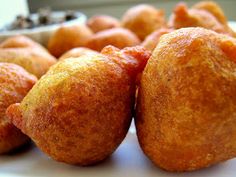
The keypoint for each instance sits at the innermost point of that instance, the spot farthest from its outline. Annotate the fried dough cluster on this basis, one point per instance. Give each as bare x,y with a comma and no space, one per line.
186,103
80,111
15,82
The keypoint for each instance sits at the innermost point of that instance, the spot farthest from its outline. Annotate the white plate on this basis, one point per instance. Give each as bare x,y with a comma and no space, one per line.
128,160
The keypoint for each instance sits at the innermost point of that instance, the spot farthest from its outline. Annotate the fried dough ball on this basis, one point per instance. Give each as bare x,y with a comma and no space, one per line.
197,17
15,82
68,37
102,22
152,40
34,60
80,111
118,37
213,8
20,41
77,52
186,104
143,20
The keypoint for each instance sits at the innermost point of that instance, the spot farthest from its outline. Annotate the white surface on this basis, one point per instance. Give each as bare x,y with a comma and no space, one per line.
127,161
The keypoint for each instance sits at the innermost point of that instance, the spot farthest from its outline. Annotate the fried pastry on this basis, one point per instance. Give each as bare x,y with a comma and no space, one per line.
213,8
118,37
199,16
21,41
68,37
143,20
34,60
81,110
152,40
186,103
102,22
15,82
77,52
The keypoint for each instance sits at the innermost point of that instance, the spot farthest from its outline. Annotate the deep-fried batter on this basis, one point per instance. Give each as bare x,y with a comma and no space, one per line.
152,40
77,52
80,111
186,104
200,15
68,37
118,37
15,82
20,41
34,60
143,19
102,22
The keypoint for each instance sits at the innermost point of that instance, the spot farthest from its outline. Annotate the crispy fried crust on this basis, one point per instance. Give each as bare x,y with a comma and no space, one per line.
15,82
143,19
186,104
102,22
68,37
118,37
80,111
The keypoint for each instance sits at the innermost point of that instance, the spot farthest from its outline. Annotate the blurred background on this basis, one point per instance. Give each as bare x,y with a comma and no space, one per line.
117,7
9,10
90,7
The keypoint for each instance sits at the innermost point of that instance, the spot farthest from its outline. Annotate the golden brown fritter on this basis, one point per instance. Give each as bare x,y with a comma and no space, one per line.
102,22
77,52
198,17
80,111
213,8
143,19
15,82
20,41
34,60
152,40
186,104
118,37
68,37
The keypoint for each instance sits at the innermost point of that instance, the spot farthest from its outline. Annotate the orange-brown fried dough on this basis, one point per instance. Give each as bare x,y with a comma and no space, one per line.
213,8
15,82
20,41
34,60
143,19
77,52
118,37
152,40
102,22
186,104
80,111
199,16
68,37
